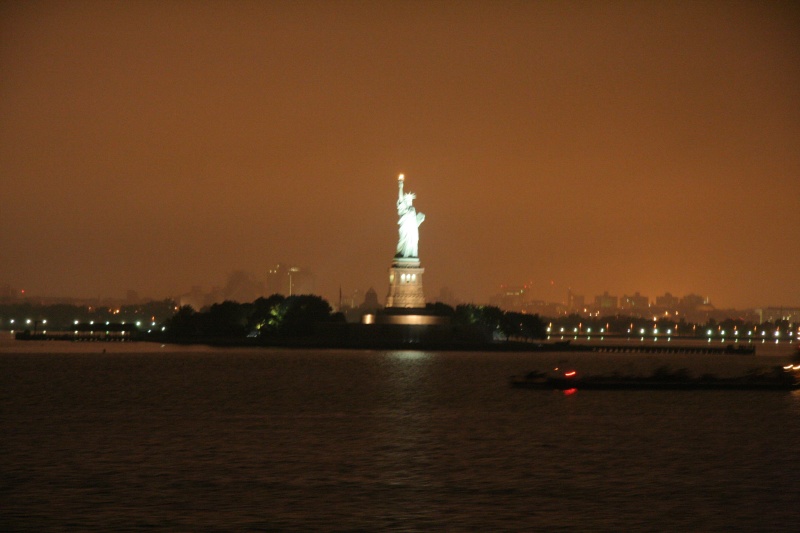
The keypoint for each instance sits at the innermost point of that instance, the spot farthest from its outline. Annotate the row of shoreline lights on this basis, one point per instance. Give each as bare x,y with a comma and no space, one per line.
669,332
29,321
76,322
138,325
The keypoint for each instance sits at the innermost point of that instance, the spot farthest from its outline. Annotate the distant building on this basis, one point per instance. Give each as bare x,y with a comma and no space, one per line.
636,304
354,312
696,308
371,300
667,302
277,280
691,302
510,298
775,314
289,280
241,287
542,308
349,301
576,303
301,281
606,302
692,308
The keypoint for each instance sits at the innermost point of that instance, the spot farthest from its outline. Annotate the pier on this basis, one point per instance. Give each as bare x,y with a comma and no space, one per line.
673,349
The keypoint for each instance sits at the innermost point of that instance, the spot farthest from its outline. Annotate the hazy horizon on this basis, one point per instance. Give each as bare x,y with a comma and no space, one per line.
219,286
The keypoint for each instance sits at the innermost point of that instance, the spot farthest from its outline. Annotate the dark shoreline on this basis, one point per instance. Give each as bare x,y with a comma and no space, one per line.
393,344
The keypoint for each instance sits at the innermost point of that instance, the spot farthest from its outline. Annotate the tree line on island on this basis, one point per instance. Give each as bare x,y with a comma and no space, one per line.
282,317
291,317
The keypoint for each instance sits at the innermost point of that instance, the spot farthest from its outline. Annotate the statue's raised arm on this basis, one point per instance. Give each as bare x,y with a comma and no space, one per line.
409,221
400,180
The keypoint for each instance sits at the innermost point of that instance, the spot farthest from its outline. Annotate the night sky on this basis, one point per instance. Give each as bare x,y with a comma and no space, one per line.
619,146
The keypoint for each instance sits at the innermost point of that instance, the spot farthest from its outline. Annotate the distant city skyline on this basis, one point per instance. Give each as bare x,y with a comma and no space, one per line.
243,286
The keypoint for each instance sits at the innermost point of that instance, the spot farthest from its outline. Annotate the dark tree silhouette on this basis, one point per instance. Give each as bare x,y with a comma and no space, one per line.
300,313
184,323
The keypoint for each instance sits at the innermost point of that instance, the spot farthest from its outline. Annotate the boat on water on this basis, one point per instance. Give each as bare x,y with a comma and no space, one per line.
777,378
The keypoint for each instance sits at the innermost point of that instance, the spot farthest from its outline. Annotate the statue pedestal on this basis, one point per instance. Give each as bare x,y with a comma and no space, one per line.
405,284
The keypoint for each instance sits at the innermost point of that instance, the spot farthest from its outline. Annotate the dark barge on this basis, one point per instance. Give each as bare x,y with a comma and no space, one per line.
783,378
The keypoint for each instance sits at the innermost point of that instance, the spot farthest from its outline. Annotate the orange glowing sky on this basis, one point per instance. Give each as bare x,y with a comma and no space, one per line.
620,146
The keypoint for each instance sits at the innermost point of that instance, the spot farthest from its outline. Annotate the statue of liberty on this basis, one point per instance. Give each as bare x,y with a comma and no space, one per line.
409,221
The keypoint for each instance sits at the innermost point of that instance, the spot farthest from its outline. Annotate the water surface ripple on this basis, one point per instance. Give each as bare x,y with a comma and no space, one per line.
265,440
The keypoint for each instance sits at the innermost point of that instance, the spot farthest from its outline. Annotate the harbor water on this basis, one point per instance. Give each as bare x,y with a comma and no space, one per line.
108,437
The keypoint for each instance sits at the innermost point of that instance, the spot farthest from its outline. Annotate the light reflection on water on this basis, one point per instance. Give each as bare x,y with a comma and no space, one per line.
401,440
408,354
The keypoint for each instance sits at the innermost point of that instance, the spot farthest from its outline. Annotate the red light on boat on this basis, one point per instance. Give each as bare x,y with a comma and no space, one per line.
570,374
570,392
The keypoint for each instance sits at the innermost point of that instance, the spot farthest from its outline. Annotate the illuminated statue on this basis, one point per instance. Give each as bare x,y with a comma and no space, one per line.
408,242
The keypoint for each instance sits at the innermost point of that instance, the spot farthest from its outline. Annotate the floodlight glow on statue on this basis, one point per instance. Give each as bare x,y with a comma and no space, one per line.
409,221
405,274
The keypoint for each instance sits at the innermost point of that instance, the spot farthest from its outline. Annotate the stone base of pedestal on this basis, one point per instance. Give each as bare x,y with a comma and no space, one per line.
405,284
